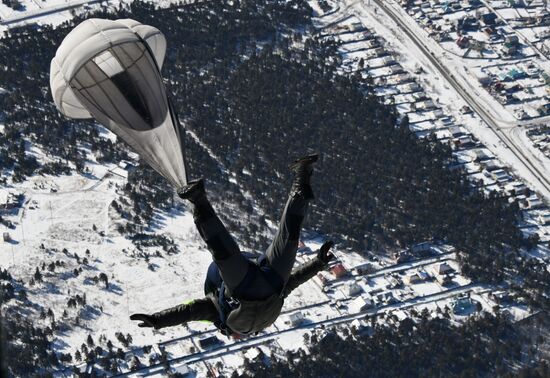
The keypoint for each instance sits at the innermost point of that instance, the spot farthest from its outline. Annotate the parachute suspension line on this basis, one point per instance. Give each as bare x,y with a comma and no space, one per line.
178,129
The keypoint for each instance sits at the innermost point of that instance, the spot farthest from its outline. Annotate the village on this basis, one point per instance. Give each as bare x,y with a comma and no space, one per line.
369,54
505,43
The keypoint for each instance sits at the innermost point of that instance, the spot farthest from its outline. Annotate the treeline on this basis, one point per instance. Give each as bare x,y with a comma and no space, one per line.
482,347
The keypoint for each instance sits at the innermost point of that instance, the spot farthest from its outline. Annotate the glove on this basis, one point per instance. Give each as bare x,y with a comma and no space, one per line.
323,253
148,320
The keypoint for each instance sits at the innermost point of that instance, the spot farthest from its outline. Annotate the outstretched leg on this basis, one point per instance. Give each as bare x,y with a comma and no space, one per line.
225,251
281,254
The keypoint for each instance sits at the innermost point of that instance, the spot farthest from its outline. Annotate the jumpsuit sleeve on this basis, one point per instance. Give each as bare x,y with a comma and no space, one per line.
199,309
303,273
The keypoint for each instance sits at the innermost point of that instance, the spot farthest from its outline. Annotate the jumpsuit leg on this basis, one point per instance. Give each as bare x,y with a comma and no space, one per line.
225,251
213,279
281,254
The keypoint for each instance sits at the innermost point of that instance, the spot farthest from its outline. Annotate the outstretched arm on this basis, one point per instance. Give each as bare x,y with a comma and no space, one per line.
310,268
199,309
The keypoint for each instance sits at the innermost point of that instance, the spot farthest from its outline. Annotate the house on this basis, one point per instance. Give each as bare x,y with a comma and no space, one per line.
401,257
354,289
480,154
464,141
209,341
421,248
394,282
411,87
543,219
512,75
385,298
488,18
508,49
515,188
445,279
10,200
512,39
324,280
442,269
296,318
467,23
360,325
463,306
338,271
534,202
413,278
7,237
463,42
500,296
360,304
500,175
511,44
365,268
180,370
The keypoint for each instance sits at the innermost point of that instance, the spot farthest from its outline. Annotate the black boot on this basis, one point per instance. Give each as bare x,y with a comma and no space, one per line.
303,168
193,192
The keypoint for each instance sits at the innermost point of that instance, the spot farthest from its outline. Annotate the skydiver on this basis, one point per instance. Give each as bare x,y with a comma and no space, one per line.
244,295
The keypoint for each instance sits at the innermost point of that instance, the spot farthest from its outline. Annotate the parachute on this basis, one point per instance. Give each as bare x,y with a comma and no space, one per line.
110,70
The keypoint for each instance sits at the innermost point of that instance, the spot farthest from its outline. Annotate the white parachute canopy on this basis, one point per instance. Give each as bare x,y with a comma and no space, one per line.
110,71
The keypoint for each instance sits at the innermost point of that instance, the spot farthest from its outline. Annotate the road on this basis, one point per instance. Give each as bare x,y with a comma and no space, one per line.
500,127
